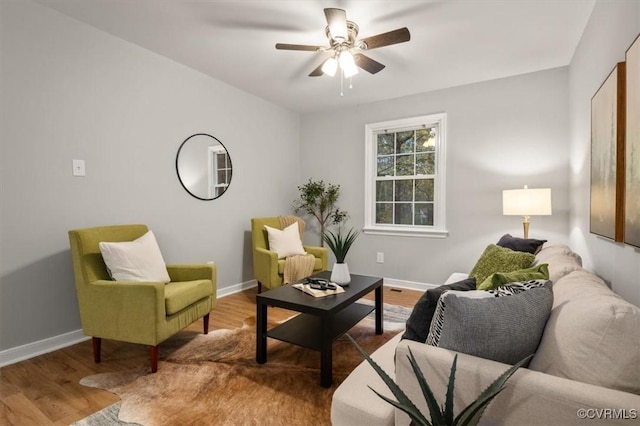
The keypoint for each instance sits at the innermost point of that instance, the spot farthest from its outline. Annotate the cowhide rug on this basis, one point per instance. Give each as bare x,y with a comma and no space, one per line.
214,380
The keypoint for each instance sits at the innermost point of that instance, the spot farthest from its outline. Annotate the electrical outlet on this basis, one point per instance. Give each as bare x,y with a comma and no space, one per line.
380,257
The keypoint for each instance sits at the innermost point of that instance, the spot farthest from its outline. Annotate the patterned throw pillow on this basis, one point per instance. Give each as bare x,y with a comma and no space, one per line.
499,259
417,326
503,325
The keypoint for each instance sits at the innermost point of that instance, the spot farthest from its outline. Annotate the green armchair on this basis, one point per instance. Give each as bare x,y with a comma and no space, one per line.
136,312
267,268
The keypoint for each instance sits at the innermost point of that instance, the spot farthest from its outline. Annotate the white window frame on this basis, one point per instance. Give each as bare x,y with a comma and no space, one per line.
438,230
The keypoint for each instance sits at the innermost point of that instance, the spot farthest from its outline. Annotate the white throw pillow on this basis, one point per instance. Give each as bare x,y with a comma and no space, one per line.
285,242
137,260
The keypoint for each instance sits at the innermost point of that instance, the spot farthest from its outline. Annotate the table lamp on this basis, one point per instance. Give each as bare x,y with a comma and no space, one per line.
526,203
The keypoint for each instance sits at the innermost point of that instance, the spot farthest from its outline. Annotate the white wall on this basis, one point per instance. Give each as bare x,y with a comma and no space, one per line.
610,31
71,91
502,134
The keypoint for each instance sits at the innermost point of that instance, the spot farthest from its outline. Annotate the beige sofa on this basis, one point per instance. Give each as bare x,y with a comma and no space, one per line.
587,364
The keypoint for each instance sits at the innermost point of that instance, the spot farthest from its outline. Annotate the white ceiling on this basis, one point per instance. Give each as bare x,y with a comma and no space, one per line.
453,42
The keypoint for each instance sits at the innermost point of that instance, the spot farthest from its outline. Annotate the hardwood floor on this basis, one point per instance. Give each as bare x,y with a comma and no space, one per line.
45,390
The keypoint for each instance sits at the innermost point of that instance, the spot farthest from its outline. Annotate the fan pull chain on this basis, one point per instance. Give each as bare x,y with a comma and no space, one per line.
341,83
350,82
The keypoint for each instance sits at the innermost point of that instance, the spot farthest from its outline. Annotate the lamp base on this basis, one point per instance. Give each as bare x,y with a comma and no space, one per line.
525,227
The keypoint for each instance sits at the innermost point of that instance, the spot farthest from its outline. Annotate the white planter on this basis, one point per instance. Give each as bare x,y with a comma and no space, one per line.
340,274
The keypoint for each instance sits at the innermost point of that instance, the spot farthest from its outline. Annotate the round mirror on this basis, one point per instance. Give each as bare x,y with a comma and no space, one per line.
203,166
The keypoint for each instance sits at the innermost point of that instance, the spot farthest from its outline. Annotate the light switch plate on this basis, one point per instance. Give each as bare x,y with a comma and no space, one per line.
78,168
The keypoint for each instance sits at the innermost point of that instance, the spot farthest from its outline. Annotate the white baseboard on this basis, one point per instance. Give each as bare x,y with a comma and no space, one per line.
30,350
410,285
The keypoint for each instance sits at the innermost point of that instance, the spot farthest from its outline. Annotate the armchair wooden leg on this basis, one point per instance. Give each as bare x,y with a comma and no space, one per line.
259,287
97,345
153,352
205,320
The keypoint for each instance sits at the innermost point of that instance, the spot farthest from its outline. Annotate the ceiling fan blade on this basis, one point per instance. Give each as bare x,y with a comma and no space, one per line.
317,72
284,46
367,64
337,21
392,37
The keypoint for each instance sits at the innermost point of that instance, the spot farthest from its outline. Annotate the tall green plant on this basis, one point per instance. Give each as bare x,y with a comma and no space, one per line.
440,415
340,243
319,200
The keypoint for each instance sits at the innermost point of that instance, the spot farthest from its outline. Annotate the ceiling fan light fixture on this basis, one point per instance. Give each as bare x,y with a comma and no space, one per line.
348,64
330,67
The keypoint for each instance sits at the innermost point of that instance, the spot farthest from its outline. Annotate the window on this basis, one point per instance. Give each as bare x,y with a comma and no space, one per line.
219,170
405,177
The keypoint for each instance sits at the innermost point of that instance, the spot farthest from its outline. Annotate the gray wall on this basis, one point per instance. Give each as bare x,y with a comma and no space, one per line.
502,134
611,30
71,91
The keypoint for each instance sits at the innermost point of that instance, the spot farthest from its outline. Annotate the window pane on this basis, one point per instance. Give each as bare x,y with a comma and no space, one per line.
384,190
385,144
424,214
404,190
404,214
222,176
426,139
405,166
385,166
384,213
424,189
426,163
404,142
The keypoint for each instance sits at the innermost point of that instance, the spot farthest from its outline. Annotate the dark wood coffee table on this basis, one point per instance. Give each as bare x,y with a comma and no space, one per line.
321,320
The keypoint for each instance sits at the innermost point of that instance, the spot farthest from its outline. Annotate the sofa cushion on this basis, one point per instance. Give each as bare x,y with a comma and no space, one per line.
502,278
527,245
561,259
592,336
178,295
504,329
417,327
499,259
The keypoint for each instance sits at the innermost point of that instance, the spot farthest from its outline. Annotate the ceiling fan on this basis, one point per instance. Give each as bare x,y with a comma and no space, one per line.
344,47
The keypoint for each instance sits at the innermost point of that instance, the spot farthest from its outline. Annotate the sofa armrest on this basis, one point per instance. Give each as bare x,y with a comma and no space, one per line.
265,265
192,272
321,253
529,398
123,310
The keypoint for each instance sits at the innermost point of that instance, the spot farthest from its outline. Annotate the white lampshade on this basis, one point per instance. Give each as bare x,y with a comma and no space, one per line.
527,202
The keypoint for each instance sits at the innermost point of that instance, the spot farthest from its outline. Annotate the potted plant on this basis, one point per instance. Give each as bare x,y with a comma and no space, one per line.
340,243
319,200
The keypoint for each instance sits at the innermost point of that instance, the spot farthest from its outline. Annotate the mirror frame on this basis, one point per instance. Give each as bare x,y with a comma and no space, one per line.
178,169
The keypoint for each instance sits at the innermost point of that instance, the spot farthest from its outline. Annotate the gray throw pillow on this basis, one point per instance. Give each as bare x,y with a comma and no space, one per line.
504,329
417,326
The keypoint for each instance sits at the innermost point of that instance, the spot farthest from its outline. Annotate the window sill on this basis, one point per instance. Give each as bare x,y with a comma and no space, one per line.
406,232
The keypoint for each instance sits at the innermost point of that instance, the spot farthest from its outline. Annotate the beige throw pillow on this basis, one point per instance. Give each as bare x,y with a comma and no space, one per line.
137,260
286,242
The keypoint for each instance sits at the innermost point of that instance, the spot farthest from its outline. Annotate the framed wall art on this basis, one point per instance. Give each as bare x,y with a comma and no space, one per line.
632,159
607,156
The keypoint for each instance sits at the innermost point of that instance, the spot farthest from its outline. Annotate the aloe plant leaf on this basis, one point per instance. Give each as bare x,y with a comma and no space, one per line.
448,404
404,403
434,409
416,416
488,394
